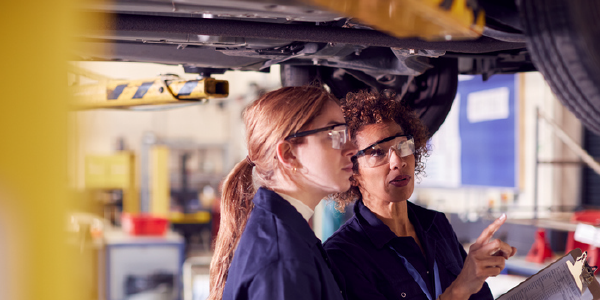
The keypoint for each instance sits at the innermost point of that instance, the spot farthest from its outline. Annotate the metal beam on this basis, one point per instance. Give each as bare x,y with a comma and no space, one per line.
565,138
290,32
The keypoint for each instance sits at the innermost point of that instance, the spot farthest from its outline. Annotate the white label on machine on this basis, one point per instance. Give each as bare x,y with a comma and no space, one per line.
587,234
488,105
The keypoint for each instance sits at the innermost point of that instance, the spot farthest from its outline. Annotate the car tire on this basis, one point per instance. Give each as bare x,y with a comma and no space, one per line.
432,94
563,38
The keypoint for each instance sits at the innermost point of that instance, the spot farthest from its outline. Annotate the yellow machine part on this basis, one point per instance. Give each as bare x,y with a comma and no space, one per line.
36,260
115,171
109,171
427,19
200,217
155,91
160,198
160,189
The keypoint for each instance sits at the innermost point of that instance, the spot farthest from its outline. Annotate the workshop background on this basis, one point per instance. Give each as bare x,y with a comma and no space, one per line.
123,204
484,162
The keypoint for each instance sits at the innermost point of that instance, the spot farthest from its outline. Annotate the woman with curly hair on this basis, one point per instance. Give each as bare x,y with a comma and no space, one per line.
392,248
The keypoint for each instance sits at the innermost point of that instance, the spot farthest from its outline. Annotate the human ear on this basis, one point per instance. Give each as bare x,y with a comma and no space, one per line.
285,155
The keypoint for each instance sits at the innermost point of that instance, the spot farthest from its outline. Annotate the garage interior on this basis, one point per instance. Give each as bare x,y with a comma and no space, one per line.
107,201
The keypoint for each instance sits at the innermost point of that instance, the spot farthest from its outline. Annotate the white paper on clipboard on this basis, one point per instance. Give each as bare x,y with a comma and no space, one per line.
563,279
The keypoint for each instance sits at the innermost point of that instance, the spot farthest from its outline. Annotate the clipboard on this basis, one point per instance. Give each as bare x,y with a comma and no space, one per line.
569,277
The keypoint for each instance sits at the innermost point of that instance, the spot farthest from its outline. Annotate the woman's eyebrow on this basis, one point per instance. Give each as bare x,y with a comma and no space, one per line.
334,122
378,141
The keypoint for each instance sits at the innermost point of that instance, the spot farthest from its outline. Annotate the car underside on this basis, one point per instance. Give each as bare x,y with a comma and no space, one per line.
312,43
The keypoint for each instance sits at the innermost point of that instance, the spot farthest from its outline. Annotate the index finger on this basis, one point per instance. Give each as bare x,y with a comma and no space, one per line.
487,233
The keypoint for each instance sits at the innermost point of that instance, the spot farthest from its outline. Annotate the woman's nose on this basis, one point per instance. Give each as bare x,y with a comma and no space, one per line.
396,160
350,149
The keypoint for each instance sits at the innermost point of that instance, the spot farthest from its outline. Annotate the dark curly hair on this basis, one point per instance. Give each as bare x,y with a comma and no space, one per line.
364,108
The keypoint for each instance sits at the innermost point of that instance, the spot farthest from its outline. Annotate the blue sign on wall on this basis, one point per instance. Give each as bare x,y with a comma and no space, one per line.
487,128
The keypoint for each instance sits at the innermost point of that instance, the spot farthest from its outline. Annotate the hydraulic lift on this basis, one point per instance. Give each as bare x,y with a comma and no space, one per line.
168,89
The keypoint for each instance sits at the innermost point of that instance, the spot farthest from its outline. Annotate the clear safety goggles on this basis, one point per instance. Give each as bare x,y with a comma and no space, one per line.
338,134
379,153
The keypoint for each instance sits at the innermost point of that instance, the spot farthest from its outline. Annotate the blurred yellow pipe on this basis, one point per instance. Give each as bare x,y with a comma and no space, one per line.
35,261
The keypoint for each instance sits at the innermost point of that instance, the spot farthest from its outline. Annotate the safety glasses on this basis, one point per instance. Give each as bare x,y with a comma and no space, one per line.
379,153
338,133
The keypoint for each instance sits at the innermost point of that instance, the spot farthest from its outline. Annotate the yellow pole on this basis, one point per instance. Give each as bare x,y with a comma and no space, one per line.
160,192
35,261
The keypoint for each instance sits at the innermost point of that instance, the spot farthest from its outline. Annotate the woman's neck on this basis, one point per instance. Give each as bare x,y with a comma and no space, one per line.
306,195
392,214
301,195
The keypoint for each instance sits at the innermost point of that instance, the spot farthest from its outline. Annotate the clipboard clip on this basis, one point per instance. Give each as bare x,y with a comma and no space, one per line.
587,271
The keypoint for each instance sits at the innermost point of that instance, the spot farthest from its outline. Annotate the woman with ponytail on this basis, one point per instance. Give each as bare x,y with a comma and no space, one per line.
298,154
